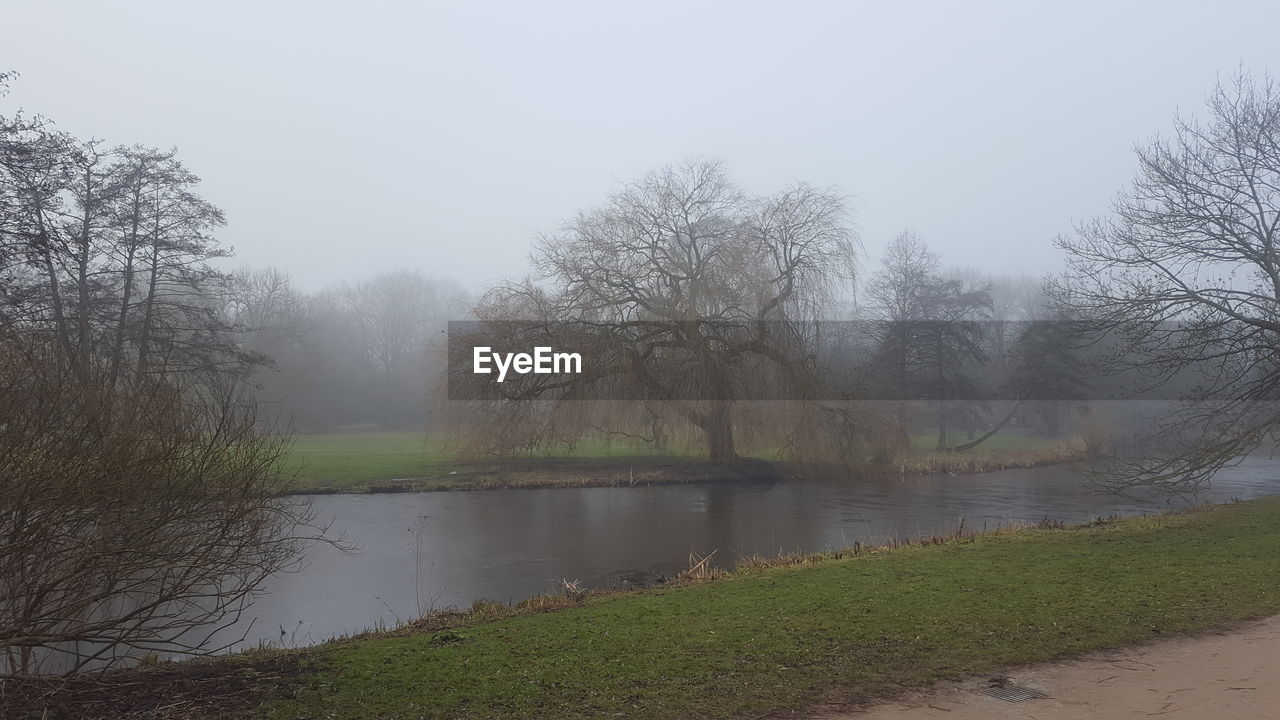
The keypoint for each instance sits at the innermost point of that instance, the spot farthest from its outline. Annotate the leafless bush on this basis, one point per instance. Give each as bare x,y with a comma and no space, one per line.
132,521
1096,434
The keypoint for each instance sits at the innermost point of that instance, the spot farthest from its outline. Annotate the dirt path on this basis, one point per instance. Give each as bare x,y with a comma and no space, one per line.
1233,675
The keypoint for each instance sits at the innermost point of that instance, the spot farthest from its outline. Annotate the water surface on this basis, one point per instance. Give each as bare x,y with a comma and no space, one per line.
432,550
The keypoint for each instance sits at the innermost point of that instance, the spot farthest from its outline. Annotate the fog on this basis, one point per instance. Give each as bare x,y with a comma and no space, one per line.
831,272
343,141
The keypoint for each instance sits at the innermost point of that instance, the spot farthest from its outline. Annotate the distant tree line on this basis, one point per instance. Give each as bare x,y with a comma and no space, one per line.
362,356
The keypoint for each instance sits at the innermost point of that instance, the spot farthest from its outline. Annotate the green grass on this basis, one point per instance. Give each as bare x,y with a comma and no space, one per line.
350,461
344,459
846,629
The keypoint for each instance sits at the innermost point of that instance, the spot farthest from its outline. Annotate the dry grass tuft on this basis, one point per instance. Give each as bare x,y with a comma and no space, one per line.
700,568
967,463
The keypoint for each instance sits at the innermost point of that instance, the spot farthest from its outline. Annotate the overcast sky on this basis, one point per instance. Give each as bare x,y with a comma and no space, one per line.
344,139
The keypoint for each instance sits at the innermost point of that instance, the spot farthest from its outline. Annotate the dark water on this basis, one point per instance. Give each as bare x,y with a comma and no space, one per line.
419,551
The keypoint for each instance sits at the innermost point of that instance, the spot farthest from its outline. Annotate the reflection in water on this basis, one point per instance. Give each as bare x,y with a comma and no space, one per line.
507,545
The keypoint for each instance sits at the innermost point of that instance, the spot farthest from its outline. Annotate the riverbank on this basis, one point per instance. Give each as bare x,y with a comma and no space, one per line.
797,632
563,472
411,462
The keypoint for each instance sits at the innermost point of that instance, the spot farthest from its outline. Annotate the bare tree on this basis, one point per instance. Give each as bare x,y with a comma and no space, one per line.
685,289
1185,275
31,192
111,247
139,511
931,334
178,326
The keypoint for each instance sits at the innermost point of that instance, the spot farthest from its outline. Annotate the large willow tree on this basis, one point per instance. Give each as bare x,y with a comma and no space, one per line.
684,290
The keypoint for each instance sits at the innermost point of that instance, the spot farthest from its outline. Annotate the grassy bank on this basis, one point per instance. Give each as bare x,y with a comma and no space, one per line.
363,462
360,462
998,453
837,630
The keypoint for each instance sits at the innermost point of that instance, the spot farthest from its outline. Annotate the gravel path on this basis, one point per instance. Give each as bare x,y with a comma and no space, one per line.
1229,675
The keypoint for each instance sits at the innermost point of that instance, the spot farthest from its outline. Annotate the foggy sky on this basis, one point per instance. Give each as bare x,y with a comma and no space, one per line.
347,139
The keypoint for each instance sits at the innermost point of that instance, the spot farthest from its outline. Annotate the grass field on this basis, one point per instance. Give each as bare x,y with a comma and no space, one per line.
832,630
343,459
361,460
346,460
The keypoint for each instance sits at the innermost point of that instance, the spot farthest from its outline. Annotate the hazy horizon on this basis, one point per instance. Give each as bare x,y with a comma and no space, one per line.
342,144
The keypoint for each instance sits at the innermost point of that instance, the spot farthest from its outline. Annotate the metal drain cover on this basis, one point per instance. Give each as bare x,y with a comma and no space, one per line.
1012,693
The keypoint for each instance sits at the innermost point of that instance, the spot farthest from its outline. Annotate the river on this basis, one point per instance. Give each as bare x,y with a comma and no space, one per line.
419,551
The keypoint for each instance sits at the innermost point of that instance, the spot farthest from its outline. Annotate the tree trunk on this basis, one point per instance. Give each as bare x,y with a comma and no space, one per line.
84,342
148,317
122,320
719,429
994,430
942,390
55,296
942,425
